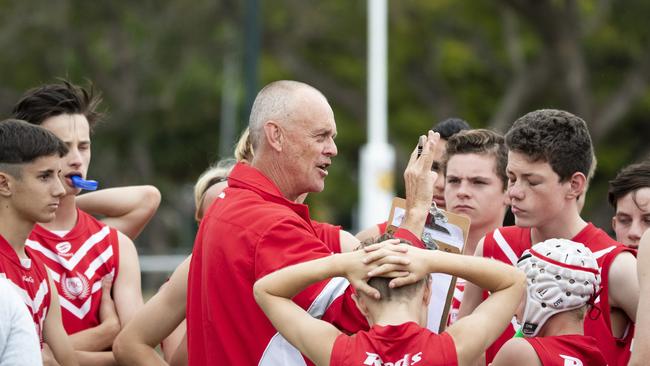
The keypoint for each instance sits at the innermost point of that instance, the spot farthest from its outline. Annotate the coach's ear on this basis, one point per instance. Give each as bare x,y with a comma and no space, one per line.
5,184
577,185
274,135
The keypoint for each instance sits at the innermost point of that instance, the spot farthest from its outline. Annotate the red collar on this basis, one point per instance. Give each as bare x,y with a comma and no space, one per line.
247,177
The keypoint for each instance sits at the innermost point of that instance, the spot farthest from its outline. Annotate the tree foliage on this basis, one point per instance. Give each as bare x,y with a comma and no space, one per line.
160,66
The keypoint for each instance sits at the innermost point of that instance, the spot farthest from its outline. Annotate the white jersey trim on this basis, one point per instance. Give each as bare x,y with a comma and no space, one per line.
505,247
602,252
35,303
71,263
97,262
279,351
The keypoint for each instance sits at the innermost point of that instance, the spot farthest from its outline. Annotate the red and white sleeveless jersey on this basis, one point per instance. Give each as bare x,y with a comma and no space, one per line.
507,244
404,344
77,262
28,277
571,350
617,351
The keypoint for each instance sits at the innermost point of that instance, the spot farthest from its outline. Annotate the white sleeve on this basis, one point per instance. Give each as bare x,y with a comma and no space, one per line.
19,343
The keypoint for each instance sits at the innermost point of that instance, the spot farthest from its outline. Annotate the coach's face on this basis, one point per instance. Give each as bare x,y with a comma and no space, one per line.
309,145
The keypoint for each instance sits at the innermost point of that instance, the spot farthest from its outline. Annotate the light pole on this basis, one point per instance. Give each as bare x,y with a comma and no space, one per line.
377,156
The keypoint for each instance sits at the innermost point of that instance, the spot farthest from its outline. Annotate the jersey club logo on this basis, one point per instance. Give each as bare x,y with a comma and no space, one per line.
374,359
77,287
571,361
63,249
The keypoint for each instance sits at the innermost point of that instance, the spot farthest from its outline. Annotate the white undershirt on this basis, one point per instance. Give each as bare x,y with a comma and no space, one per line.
60,233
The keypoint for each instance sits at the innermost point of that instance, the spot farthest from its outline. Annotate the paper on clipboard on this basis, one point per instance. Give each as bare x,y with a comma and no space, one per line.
450,235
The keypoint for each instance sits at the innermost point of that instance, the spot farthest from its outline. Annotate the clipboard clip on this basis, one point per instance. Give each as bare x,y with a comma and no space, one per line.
435,218
438,215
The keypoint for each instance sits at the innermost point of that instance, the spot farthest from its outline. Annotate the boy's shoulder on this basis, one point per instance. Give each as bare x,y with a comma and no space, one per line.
506,243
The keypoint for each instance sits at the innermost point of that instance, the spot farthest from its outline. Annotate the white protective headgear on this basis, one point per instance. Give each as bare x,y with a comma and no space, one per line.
562,275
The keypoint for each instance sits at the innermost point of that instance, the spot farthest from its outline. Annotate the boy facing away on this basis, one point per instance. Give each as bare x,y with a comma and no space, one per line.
396,308
562,282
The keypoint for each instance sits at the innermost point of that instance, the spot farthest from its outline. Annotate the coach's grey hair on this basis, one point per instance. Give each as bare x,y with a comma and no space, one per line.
276,101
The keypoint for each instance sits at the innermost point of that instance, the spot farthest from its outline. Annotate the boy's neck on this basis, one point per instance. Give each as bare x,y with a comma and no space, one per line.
562,324
564,226
394,313
476,233
15,230
66,215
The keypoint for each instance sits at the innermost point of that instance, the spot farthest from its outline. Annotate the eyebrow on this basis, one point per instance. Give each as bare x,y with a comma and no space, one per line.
46,171
322,131
525,175
470,177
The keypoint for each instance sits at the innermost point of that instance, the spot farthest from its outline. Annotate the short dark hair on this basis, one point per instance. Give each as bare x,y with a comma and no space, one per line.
450,127
629,179
51,100
381,284
556,137
483,142
22,143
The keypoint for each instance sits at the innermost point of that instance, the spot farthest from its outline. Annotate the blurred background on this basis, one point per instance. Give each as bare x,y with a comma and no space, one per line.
178,78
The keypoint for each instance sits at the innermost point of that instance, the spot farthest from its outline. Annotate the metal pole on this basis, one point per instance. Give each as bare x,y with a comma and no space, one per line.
377,156
377,80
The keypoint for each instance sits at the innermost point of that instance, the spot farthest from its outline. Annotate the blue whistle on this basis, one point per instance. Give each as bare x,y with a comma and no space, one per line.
89,185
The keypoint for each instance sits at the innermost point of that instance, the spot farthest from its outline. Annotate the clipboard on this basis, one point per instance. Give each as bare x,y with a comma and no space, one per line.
442,231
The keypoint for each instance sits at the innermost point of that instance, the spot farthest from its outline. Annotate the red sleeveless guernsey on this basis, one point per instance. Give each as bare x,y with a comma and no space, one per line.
29,279
573,350
404,344
507,244
77,262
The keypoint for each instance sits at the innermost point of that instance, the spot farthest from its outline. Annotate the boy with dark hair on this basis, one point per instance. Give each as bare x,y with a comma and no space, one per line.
79,250
30,192
450,126
127,209
395,308
629,194
475,170
562,283
549,159
52,100
446,128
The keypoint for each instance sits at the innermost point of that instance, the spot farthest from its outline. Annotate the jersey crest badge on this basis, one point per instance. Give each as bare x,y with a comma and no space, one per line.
77,287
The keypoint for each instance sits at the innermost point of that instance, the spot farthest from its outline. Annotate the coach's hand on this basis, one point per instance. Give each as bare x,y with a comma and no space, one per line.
419,181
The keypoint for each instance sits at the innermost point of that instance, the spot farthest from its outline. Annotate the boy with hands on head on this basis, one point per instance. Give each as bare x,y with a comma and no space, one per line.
396,308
